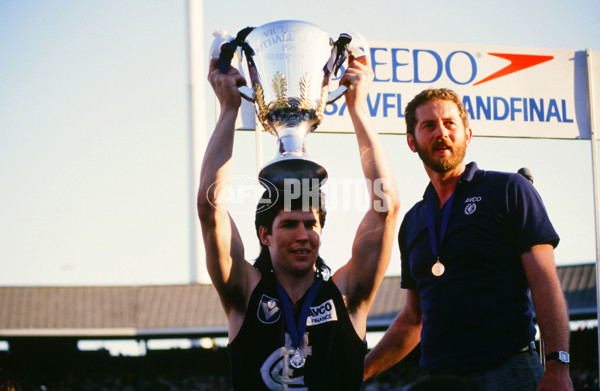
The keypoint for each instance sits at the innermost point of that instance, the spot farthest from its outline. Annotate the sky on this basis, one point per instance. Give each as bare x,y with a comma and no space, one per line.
97,178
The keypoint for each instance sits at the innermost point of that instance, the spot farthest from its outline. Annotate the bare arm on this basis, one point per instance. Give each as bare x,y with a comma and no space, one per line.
551,312
232,276
360,278
399,340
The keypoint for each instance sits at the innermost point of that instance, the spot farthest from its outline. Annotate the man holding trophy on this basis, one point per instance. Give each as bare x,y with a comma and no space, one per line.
292,325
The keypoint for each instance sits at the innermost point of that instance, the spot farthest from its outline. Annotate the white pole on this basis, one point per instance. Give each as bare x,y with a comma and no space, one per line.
196,130
258,133
595,180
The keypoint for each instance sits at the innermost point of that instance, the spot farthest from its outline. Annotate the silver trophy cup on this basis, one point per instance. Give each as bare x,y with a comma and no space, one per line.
290,64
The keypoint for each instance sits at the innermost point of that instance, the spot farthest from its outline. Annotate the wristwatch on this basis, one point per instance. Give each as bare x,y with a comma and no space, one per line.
560,356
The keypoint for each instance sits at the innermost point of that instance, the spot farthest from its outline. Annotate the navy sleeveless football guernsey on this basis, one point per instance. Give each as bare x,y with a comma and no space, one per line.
260,353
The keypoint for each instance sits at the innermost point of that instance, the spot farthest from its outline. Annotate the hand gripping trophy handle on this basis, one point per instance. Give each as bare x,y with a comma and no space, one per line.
227,46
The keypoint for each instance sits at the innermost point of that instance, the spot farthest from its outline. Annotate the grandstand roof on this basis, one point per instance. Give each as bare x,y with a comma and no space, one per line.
192,309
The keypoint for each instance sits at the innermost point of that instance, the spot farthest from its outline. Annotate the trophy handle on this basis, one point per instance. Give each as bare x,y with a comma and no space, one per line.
350,43
336,94
247,93
339,53
225,46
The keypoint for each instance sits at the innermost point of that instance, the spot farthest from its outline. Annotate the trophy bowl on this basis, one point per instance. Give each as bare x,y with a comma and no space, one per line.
290,64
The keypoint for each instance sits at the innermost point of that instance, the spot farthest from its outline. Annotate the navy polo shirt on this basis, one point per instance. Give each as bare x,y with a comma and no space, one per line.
478,312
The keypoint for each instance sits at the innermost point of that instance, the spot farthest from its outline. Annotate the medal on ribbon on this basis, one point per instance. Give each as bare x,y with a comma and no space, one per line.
438,268
297,360
296,331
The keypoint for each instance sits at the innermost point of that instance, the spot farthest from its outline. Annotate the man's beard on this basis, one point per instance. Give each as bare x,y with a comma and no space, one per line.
444,164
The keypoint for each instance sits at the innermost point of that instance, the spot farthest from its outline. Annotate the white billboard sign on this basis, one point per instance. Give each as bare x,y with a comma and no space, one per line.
508,91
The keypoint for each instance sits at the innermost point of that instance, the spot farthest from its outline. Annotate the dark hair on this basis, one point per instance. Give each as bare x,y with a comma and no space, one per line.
430,95
274,201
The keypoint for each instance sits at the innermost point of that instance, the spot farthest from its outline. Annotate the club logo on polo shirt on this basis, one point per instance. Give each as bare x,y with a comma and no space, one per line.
269,310
471,205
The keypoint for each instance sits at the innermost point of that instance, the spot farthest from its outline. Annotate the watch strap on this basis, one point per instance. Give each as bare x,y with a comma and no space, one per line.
559,356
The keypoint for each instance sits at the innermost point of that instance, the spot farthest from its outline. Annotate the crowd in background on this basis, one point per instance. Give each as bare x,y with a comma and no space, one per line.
102,379
194,369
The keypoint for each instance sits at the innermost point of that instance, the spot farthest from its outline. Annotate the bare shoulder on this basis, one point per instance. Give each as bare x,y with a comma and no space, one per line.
354,294
235,301
356,301
236,296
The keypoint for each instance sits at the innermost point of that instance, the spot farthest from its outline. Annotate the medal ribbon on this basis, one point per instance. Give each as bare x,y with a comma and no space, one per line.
297,331
436,243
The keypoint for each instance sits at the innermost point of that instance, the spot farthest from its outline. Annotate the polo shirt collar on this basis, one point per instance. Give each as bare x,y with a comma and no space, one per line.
472,173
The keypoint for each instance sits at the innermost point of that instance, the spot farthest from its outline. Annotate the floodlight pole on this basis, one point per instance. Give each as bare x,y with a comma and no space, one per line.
593,141
196,128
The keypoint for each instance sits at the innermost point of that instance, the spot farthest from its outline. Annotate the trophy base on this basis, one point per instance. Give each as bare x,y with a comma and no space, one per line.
308,172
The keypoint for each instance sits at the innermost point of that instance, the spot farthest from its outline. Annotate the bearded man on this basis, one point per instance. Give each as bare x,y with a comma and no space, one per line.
471,251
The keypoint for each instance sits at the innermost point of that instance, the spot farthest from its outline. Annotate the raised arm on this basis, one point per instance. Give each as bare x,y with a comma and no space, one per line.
231,275
359,279
551,312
